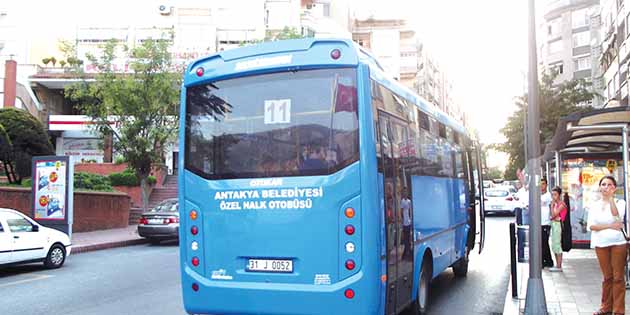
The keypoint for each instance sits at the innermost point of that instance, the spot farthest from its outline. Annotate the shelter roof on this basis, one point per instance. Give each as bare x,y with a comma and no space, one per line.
569,137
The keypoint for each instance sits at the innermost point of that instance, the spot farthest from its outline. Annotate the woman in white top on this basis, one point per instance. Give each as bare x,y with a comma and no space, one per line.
605,224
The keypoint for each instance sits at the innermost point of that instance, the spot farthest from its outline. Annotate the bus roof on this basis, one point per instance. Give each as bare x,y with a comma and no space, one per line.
301,54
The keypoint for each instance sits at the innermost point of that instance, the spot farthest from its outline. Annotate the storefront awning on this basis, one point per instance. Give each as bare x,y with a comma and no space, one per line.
567,139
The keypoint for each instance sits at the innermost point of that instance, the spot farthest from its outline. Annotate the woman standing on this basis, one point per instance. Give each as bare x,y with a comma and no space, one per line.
558,215
605,224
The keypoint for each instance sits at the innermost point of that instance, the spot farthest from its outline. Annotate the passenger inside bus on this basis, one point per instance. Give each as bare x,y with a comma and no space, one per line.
315,159
268,166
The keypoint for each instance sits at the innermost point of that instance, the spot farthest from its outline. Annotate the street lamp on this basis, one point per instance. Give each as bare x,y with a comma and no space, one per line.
535,300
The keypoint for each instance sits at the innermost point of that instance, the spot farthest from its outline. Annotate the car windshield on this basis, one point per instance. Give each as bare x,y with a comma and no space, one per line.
496,193
166,206
295,123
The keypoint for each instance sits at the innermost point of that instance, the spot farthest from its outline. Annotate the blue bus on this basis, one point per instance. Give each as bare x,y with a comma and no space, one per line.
313,183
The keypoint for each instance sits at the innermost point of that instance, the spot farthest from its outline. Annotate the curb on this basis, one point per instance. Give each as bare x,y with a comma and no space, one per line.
94,247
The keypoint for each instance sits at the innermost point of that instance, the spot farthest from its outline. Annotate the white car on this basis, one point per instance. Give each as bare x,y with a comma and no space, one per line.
23,240
501,199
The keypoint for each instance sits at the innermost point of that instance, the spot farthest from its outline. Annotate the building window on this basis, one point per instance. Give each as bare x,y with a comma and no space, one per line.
610,89
553,29
555,46
579,18
581,39
583,63
558,67
326,9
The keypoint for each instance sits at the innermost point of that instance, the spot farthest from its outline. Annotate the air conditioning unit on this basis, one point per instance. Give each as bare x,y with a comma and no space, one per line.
165,9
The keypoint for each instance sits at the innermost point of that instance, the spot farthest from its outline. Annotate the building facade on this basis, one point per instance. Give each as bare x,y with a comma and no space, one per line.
197,28
615,18
395,44
568,42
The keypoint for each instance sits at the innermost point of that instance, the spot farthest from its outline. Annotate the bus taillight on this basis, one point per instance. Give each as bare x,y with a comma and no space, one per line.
350,264
349,229
194,230
349,293
350,247
200,71
195,287
350,212
195,261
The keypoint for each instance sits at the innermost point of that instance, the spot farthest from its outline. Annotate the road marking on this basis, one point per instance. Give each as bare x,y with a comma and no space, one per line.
35,278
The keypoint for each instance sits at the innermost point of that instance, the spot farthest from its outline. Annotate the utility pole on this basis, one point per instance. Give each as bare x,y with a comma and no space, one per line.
535,303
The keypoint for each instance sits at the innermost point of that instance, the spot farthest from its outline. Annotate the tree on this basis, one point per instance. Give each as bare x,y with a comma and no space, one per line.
285,33
69,51
493,173
22,136
138,109
555,101
5,150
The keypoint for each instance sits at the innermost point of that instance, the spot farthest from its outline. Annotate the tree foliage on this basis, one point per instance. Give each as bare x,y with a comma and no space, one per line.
493,173
138,109
555,101
285,33
22,136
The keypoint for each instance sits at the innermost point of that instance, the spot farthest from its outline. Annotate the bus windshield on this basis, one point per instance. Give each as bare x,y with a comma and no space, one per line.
294,123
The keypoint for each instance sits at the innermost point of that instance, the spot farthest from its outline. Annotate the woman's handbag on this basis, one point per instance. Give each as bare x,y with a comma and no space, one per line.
625,235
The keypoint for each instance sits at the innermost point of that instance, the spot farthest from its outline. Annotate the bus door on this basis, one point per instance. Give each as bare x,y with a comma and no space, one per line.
478,178
397,195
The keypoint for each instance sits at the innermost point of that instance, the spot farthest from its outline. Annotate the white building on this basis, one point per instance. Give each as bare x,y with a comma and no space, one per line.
199,28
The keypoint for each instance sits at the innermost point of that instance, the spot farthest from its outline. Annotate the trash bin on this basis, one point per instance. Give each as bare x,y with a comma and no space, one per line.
522,234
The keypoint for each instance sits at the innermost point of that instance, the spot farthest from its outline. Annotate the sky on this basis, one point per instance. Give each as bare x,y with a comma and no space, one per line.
482,45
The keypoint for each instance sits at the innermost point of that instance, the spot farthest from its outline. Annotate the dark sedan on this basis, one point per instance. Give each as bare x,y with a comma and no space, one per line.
161,223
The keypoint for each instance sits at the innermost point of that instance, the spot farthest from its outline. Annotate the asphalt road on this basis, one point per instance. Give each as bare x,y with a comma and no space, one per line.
145,280
483,290
135,280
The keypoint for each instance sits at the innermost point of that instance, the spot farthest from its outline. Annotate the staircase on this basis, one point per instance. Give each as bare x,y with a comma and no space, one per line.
169,190
134,215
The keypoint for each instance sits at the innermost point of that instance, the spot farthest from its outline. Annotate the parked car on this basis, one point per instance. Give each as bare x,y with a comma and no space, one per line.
161,223
501,199
22,240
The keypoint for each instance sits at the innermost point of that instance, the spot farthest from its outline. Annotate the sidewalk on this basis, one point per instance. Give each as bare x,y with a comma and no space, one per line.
97,240
575,291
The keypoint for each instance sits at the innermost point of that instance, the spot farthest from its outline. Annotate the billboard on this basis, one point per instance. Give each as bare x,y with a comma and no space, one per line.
580,179
51,188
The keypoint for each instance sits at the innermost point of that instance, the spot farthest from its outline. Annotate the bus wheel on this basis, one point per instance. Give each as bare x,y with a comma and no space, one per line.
422,300
460,268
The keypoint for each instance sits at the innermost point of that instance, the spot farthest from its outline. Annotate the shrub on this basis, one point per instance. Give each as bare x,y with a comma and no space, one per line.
27,138
27,183
90,181
119,160
129,178
124,178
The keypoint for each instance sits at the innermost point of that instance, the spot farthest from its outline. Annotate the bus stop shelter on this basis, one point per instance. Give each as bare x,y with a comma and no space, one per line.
585,147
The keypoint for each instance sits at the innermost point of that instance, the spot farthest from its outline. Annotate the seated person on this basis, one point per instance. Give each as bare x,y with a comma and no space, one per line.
267,165
314,160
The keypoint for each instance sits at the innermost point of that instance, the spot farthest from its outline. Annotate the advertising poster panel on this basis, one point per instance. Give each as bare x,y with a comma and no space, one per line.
580,178
50,188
